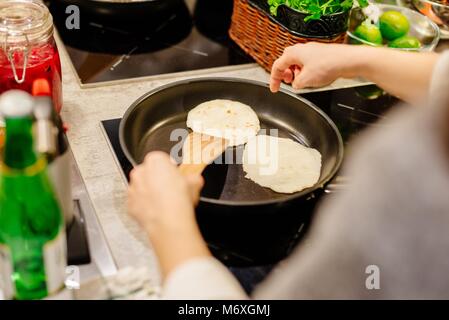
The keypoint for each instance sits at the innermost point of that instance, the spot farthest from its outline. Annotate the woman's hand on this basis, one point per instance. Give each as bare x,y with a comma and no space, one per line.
159,195
406,75
311,65
162,201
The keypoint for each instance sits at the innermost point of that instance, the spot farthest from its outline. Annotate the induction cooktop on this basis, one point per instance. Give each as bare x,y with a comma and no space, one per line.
190,37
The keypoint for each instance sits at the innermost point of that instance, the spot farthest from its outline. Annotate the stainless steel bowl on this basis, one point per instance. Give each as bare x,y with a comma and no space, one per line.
421,27
436,11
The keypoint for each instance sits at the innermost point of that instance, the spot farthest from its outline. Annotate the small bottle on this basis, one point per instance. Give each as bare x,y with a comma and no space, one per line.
51,142
32,233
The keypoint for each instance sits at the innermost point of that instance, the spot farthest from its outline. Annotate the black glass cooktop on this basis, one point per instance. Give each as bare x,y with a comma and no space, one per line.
190,36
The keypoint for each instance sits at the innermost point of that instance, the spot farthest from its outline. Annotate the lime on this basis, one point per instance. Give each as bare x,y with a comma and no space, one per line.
405,42
393,24
369,32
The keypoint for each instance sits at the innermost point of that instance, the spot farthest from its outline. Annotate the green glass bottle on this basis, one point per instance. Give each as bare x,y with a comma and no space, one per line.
32,234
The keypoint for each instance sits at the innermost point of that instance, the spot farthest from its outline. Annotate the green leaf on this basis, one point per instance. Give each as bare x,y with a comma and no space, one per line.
363,3
316,8
347,4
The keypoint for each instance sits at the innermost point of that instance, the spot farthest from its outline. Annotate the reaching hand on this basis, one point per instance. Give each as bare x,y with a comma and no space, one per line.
406,75
310,65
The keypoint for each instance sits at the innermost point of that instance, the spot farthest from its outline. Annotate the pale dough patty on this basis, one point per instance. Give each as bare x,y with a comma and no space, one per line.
227,119
283,165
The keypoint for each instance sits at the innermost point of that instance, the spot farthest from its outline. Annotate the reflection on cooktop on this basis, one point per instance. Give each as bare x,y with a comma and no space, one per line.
191,36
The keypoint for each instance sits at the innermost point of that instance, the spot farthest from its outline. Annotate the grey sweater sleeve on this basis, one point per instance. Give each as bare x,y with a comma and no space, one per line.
387,235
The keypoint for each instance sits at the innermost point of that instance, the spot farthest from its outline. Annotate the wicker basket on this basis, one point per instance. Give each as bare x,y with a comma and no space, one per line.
264,38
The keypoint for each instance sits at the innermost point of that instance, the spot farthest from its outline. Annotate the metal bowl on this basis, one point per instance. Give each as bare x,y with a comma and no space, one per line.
436,11
421,27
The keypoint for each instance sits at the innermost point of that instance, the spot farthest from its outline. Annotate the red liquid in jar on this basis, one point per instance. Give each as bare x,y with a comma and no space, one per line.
43,62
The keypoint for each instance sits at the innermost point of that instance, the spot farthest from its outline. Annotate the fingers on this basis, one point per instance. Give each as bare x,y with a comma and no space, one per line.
301,80
154,161
135,177
157,158
279,70
159,167
195,181
195,184
288,76
296,71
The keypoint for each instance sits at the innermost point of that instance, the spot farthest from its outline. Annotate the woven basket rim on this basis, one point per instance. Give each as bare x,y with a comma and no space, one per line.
295,33
306,13
264,38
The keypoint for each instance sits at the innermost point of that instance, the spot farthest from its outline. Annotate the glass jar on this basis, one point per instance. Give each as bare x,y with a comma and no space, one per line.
27,48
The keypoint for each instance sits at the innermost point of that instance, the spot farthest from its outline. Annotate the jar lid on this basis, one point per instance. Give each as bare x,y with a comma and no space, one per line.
16,104
23,22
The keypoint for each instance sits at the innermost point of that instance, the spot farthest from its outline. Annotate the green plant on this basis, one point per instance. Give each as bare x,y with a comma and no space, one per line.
315,8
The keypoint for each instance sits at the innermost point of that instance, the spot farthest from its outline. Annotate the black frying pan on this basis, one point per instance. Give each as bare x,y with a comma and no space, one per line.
234,212
120,11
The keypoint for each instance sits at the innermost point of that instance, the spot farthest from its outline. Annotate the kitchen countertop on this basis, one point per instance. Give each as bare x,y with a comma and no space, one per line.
83,110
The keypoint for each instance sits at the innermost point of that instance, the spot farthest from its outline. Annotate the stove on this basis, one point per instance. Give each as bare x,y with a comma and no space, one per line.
191,37
351,109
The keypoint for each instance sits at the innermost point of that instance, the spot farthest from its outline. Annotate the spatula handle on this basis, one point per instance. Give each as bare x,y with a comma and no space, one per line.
192,169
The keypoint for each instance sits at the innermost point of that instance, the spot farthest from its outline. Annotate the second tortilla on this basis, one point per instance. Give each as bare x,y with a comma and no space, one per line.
283,165
227,119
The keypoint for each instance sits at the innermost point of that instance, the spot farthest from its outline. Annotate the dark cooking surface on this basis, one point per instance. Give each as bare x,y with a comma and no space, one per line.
192,36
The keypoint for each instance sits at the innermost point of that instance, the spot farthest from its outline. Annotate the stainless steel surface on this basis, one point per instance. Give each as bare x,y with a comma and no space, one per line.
103,263
444,31
60,175
435,10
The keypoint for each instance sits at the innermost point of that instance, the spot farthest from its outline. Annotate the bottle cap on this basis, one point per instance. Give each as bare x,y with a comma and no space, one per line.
16,104
41,87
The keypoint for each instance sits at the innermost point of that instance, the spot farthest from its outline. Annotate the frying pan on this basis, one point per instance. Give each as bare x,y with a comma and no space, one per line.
159,29
120,11
240,217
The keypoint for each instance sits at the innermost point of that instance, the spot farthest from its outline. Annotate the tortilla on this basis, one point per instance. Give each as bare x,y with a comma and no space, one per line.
283,165
231,120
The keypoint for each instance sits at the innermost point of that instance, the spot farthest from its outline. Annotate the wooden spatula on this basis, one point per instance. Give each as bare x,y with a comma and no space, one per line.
200,150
